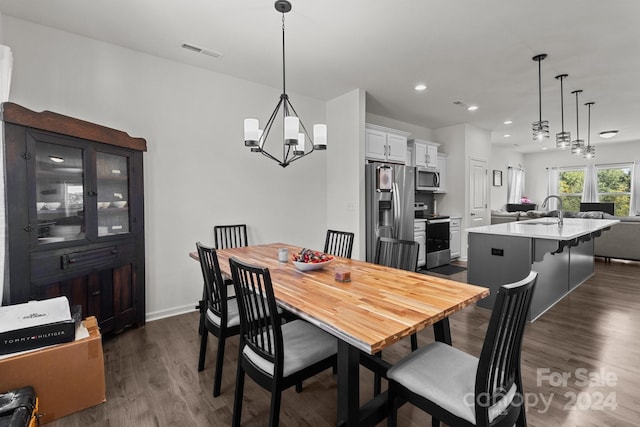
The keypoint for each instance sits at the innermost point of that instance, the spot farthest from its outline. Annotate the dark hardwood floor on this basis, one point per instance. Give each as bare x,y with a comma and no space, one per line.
591,339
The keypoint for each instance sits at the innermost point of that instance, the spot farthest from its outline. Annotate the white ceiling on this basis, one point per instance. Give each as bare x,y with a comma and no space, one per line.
474,51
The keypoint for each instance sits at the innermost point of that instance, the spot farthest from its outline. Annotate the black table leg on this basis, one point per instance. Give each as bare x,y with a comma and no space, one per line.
442,331
348,385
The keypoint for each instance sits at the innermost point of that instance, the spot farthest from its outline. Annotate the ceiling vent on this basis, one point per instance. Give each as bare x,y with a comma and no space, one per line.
202,50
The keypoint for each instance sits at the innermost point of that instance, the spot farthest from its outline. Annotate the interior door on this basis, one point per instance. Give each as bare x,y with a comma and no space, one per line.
477,192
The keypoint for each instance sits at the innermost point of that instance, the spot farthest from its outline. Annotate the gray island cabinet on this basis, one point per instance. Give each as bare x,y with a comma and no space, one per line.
562,256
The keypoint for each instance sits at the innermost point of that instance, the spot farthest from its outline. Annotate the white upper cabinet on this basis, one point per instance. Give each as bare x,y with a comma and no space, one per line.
426,153
385,144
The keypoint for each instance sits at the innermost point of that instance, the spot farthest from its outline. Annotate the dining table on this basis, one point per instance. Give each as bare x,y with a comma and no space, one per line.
378,307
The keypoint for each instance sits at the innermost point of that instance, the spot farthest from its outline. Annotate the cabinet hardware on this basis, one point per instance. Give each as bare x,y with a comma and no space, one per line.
92,193
28,228
114,252
26,156
95,293
71,260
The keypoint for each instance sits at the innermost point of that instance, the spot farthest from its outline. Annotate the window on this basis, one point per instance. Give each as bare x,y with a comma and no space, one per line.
614,185
570,186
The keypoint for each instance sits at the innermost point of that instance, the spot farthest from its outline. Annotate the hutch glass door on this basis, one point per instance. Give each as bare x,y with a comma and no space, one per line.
59,193
113,193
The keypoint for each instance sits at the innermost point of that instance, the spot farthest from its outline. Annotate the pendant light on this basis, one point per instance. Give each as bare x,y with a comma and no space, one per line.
295,133
541,127
589,151
563,139
577,145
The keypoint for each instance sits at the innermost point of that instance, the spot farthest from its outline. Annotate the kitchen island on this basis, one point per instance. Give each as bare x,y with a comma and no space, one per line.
562,256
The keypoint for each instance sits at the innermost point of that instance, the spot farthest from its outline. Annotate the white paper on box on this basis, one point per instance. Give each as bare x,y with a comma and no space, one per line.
34,313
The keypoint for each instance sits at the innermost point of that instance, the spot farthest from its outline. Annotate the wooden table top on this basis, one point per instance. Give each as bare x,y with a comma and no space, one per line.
380,305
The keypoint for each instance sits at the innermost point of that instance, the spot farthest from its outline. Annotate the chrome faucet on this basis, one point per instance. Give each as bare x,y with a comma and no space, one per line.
544,205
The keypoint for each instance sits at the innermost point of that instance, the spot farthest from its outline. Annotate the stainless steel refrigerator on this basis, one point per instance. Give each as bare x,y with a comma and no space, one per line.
390,195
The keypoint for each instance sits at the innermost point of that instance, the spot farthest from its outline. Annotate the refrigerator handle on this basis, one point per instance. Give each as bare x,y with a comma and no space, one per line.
396,211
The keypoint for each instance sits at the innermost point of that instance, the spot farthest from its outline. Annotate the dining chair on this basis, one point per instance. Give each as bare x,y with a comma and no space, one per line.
402,254
275,355
225,237
221,317
460,389
339,243
230,236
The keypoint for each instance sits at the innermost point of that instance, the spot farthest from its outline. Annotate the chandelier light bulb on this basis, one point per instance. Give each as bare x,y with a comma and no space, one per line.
251,132
320,137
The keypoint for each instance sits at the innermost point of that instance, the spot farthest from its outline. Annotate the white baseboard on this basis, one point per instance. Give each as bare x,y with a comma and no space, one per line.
175,311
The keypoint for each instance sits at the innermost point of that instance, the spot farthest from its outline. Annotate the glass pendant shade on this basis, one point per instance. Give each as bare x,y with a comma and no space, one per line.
563,139
577,145
589,151
299,150
251,132
540,128
320,137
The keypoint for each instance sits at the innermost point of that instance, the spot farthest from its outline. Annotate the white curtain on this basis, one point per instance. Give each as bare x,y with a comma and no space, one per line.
6,65
552,188
515,184
590,188
634,206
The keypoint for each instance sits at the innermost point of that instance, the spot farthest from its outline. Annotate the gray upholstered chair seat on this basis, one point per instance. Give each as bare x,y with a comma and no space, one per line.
233,316
304,345
446,376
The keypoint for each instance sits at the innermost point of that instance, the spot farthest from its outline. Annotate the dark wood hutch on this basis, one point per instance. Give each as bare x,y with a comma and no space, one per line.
75,215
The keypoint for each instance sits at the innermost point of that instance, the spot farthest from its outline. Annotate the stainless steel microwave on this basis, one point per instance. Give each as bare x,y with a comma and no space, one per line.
427,180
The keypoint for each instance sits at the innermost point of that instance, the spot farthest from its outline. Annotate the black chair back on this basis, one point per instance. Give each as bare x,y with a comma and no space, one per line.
230,236
260,327
402,254
216,291
339,243
499,364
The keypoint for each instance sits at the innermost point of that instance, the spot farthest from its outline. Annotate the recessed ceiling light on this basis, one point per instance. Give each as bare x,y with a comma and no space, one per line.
507,122
472,107
606,134
421,87
506,135
56,159
543,148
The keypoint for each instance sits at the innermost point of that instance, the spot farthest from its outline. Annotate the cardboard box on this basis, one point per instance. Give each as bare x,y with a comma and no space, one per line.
67,377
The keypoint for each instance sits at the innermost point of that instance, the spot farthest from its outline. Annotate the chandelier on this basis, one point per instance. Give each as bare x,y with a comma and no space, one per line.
589,150
294,146
577,145
563,139
541,127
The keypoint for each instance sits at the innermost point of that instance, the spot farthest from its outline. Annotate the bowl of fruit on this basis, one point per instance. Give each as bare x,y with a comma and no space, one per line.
307,260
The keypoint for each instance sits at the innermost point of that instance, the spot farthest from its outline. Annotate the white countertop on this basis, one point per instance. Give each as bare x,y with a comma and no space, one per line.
546,228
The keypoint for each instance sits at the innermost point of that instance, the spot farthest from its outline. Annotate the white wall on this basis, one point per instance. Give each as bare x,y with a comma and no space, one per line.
501,159
345,179
197,171
536,164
